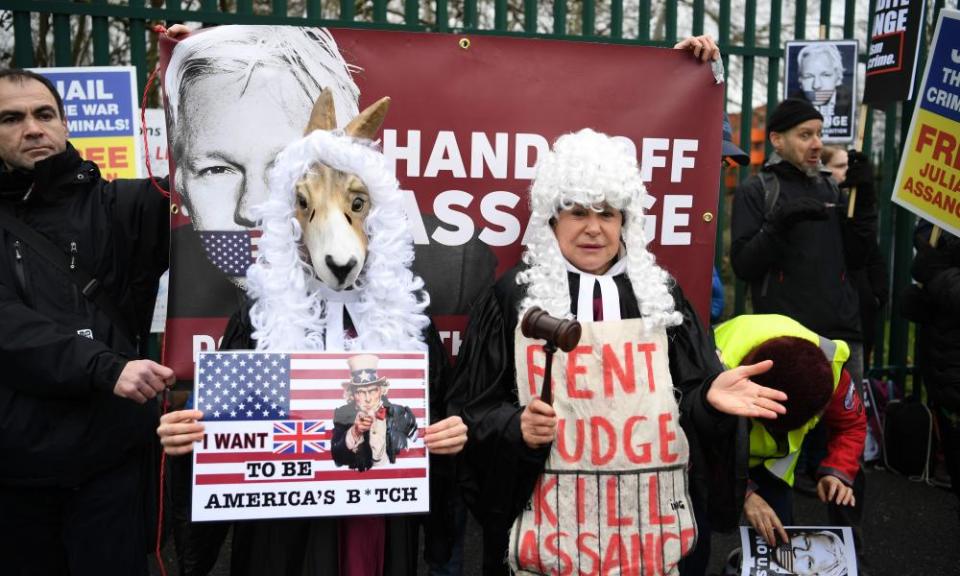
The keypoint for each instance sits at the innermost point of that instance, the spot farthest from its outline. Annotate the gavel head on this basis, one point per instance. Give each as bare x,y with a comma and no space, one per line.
536,323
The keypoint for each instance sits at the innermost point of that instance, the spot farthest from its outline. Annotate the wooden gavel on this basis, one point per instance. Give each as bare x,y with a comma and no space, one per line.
558,333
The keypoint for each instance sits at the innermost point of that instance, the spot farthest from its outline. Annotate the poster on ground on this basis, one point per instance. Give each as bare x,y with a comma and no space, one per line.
103,117
824,72
811,551
928,181
310,434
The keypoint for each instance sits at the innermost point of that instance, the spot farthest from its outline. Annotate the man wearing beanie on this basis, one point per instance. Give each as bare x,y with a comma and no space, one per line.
791,239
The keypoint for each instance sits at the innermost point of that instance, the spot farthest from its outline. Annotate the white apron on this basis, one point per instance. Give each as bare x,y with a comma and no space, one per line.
613,497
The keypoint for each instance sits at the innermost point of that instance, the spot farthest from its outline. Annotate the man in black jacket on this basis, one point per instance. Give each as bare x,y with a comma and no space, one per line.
76,406
791,239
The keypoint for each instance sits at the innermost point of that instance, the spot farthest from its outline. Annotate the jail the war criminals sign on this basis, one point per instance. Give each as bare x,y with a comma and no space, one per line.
613,496
100,104
310,434
928,182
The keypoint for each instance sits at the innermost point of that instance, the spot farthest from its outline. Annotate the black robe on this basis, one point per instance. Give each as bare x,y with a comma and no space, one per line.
497,470
310,546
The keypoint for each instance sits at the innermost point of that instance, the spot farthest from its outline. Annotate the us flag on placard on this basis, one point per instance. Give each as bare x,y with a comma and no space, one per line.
269,427
231,251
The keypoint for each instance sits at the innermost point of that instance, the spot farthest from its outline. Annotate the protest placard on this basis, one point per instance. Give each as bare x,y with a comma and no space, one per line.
613,494
824,72
893,49
812,550
103,119
928,181
310,434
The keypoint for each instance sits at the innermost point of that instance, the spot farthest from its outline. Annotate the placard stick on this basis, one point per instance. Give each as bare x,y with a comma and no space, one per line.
861,126
934,235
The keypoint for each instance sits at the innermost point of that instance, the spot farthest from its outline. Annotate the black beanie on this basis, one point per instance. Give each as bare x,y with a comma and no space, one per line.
791,112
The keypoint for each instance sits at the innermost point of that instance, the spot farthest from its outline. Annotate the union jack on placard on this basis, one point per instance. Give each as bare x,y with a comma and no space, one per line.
300,437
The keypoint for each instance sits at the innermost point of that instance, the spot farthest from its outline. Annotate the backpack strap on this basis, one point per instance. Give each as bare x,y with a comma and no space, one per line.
89,286
771,191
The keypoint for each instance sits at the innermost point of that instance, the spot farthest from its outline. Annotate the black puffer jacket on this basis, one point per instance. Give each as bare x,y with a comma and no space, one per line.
935,307
802,272
60,422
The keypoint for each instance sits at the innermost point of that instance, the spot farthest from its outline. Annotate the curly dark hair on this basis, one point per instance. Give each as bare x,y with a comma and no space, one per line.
802,371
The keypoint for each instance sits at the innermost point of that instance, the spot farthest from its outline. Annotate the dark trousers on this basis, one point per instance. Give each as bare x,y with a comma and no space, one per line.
197,544
94,529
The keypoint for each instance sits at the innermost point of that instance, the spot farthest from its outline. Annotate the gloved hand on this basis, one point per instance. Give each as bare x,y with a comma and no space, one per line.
795,210
859,170
860,176
929,262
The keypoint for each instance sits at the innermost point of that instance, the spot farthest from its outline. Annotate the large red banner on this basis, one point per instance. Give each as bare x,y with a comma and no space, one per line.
469,117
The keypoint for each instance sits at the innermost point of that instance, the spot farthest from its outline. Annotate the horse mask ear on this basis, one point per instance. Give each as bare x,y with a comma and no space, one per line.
367,123
323,116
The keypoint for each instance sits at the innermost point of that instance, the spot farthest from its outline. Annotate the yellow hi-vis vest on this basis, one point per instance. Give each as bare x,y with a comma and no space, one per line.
735,339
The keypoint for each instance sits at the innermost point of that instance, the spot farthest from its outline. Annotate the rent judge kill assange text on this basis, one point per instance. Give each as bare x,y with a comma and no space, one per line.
608,502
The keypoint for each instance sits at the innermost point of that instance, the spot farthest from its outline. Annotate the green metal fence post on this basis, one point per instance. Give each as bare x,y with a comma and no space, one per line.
61,40
800,21
643,21
22,40
101,39
589,18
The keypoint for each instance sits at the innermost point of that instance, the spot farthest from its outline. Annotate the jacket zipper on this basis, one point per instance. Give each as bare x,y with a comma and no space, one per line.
73,266
20,272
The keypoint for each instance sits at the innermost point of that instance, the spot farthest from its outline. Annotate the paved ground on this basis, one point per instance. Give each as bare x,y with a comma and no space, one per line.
909,528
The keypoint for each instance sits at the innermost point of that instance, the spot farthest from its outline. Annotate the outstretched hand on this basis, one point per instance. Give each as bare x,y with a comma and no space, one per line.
732,392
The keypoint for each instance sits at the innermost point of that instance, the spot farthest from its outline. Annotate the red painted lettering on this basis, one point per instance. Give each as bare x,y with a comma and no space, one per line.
598,456
581,499
565,565
652,558
529,551
611,367
615,556
541,501
648,348
613,504
588,552
653,504
666,436
534,372
562,440
644,456
574,369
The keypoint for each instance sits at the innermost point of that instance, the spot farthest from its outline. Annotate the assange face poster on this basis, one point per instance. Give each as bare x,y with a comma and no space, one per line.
310,434
103,118
468,119
928,182
825,74
893,49
812,550
613,494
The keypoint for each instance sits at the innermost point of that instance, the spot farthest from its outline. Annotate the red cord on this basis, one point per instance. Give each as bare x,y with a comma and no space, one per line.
143,125
163,468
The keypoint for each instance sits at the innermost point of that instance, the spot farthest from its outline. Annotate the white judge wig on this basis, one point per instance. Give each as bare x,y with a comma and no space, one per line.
591,169
291,306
